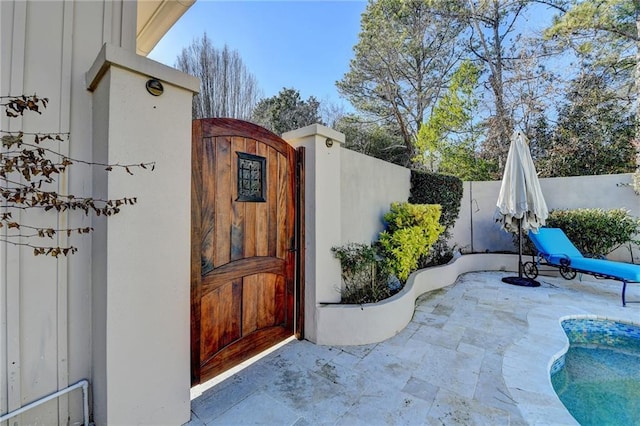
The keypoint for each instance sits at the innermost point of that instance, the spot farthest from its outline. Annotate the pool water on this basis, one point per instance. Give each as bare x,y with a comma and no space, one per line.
598,379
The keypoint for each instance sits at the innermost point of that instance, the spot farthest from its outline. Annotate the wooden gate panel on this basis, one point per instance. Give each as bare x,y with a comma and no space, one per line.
206,203
221,318
243,259
280,298
282,222
222,200
272,191
249,304
238,209
262,214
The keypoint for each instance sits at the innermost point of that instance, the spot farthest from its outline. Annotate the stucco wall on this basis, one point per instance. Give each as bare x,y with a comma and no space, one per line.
356,204
367,188
321,216
476,230
141,274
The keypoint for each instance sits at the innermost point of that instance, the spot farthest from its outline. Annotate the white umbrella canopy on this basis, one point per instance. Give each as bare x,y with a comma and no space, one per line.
520,204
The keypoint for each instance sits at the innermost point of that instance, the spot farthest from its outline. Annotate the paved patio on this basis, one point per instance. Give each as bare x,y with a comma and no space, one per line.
477,352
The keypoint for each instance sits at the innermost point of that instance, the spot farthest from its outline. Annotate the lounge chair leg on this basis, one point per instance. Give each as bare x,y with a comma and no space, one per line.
624,289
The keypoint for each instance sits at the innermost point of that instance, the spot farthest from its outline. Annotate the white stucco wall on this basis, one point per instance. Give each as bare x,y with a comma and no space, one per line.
476,231
141,335
356,204
322,218
369,185
367,188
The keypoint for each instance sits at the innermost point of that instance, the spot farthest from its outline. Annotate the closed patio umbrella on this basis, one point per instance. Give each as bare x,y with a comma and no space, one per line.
521,205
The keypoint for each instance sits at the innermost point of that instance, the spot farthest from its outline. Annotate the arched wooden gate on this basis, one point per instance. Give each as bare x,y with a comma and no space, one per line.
246,264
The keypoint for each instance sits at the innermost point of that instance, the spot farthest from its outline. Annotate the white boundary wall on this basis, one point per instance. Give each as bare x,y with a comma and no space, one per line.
350,210
367,188
476,230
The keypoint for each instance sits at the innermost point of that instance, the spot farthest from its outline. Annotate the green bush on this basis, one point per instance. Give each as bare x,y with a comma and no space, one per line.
411,231
596,232
363,273
433,188
357,261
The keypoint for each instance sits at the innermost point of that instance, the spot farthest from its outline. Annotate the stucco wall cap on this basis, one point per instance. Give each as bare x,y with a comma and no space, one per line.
111,55
313,130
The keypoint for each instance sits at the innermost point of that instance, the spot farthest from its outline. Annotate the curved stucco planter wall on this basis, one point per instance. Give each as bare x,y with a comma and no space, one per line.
375,322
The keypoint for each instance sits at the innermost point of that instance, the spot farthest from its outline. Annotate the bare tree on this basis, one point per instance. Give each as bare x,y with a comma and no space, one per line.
227,88
532,86
516,80
491,22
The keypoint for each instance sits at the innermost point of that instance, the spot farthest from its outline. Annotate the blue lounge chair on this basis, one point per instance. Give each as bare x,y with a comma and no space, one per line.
556,249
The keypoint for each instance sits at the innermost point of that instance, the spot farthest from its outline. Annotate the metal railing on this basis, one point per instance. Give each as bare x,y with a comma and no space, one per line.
84,384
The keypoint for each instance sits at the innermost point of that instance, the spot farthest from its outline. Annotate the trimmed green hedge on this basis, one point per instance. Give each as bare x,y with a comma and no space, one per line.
434,188
596,232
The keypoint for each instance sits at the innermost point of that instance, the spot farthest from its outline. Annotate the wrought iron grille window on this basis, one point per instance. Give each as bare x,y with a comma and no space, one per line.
251,177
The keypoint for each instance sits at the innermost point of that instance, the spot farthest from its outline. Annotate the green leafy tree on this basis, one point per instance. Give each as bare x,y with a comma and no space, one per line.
447,141
449,117
464,161
594,133
606,34
540,135
286,111
402,61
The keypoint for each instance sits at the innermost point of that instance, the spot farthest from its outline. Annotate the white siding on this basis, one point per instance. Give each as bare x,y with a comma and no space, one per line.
45,304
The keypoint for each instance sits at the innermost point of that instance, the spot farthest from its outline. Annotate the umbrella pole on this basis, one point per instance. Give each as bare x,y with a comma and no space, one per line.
520,280
520,248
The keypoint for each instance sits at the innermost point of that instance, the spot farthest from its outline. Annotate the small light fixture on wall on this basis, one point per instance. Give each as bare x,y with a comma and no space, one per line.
329,142
154,87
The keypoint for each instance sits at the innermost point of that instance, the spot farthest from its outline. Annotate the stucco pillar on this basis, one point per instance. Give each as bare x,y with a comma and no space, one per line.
322,218
141,256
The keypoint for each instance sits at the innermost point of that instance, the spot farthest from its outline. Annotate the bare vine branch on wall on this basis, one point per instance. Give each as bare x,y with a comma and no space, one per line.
28,168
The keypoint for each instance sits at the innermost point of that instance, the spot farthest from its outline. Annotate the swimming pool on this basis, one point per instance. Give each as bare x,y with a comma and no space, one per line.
598,379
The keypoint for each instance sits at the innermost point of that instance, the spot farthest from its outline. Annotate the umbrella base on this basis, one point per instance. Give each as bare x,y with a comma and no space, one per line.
521,281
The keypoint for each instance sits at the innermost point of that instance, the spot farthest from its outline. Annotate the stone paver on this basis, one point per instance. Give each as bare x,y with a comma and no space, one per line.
475,353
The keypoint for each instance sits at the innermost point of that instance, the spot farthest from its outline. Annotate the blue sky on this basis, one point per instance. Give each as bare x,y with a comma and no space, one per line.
306,45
